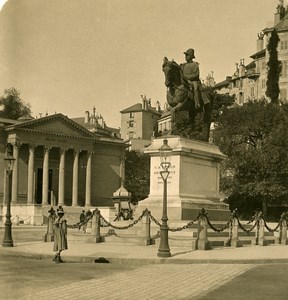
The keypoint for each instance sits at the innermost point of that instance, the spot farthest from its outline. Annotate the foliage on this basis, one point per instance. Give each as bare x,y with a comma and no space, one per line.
220,103
274,68
13,106
255,139
137,175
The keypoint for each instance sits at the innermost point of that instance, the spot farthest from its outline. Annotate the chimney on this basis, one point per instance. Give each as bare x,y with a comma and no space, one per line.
280,13
260,42
87,117
241,68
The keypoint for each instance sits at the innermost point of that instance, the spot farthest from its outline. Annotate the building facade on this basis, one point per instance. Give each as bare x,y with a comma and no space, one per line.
139,124
249,81
58,162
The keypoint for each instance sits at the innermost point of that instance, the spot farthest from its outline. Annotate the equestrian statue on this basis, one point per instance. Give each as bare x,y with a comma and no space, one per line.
190,104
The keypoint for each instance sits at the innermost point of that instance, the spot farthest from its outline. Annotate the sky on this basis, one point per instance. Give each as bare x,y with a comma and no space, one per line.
67,56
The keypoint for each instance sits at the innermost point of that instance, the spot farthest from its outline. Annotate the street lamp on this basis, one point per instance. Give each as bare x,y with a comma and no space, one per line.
165,157
9,163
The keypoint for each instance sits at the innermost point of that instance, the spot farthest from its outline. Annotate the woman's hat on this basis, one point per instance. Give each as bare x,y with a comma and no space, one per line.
60,210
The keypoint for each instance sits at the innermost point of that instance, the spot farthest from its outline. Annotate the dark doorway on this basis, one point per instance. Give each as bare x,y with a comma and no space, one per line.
40,185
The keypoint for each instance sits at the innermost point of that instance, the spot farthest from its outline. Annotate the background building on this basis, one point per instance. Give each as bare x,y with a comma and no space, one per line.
249,81
59,162
139,124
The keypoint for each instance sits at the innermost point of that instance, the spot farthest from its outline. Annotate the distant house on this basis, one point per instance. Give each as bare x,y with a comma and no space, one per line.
139,124
58,161
95,123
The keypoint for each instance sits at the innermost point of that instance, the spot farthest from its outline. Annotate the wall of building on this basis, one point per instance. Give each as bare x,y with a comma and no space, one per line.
131,125
149,124
106,178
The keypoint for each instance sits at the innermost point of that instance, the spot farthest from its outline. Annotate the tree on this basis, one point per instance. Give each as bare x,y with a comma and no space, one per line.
137,175
220,103
255,139
13,106
274,68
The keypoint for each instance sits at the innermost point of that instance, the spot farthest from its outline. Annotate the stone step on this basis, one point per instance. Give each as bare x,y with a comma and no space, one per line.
175,238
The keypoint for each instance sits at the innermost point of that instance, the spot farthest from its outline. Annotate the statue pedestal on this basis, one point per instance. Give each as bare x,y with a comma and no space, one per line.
193,182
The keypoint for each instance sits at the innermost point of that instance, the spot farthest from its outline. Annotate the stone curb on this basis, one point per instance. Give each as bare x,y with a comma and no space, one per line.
145,261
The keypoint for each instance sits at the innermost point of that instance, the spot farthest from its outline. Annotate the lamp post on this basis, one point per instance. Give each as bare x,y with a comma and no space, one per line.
9,163
165,157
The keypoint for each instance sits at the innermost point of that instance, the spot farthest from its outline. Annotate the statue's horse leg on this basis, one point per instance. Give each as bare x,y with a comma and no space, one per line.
207,118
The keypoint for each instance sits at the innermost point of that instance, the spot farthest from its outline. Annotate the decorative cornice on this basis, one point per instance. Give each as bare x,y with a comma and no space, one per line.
54,133
23,125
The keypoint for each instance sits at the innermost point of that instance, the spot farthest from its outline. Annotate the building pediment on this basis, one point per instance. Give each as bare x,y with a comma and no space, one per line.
56,125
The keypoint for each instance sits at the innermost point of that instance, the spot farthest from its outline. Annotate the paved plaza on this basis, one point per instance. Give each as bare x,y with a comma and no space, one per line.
187,274
166,281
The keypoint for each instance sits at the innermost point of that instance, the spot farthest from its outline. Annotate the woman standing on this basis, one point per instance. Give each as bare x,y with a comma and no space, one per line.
60,235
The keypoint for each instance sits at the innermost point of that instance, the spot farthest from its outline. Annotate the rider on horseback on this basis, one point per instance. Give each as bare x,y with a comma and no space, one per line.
190,73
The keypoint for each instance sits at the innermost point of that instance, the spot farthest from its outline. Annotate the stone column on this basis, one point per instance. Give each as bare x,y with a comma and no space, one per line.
88,180
30,189
61,177
45,176
15,173
122,169
75,178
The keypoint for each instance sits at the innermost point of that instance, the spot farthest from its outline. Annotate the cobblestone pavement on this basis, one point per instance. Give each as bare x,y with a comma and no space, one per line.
151,282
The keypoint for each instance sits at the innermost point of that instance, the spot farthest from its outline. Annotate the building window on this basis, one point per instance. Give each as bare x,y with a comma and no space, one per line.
165,126
263,65
252,92
132,115
283,94
241,97
284,69
131,123
263,83
131,135
284,45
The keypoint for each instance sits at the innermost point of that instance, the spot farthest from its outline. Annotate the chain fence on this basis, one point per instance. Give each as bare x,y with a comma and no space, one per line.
257,222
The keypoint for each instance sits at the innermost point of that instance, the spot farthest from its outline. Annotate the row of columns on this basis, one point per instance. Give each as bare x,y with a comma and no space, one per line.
45,182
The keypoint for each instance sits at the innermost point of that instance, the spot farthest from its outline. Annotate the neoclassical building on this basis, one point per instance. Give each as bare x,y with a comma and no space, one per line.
58,162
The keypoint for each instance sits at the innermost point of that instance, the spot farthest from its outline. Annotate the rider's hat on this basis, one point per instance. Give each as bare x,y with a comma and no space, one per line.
190,52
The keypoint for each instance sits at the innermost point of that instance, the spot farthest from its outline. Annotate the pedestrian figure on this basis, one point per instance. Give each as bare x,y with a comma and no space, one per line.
49,236
60,235
82,219
88,214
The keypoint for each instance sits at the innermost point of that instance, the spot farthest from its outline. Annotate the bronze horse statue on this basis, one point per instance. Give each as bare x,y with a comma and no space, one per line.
180,97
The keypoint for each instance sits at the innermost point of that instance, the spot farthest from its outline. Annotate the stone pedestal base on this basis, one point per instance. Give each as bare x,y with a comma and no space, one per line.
193,182
201,245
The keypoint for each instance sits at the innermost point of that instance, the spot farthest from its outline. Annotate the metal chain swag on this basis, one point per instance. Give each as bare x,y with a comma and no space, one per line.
256,218
87,219
123,227
108,224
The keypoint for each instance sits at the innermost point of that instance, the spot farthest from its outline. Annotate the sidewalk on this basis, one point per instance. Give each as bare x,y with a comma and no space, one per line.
120,254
